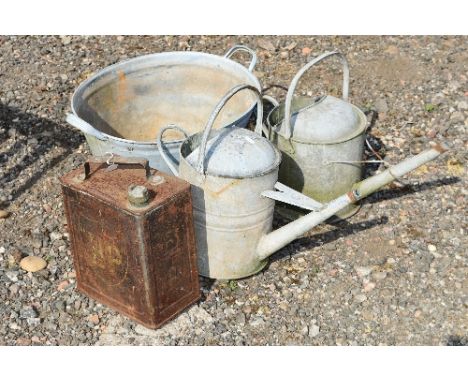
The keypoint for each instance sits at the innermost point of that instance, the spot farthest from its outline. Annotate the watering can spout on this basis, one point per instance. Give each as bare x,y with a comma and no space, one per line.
272,242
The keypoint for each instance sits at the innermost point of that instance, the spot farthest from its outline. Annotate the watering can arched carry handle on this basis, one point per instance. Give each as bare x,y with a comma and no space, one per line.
258,127
297,77
201,158
243,48
170,163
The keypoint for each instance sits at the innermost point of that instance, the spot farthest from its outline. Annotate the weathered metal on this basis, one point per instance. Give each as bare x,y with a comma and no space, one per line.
228,173
277,239
121,108
232,187
322,142
132,238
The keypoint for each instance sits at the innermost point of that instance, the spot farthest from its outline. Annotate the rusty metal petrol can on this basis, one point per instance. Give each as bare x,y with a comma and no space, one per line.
132,238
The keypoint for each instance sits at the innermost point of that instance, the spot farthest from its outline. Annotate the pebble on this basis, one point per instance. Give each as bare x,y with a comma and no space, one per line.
33,321
368,315
381,106
360,298
17,255
63,285
60,305
267,45
314,330
462,105
256,322
32,263
28,312
55,236
306,51
363,271
457,117
369,286
432,248
94,319
240,319
392,49
22,341
387,294
379,276
12,275
65,40
4,214
14,288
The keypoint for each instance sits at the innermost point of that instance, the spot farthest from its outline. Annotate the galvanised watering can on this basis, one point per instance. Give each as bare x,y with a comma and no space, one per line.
321,141
234,173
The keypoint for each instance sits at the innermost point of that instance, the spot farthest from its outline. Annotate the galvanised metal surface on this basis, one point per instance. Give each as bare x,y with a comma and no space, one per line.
322,142
230,214
135,255
282,236
233,214
122,108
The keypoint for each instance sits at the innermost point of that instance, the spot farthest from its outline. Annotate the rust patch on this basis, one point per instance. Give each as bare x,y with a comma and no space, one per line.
139,261
226,187
122,89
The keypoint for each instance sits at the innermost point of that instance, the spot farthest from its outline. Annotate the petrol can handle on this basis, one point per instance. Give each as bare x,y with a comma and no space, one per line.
258,128
116,159
170,163
236,48
297,77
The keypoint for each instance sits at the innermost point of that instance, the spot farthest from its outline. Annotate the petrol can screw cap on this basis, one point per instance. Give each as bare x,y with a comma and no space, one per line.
138,195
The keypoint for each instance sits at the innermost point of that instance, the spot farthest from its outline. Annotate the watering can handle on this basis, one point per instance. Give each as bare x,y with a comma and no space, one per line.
85,127
236,48
170,163
258,128
297,77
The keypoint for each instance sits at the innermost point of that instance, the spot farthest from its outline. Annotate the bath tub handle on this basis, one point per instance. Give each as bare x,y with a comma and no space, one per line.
85,127
236,48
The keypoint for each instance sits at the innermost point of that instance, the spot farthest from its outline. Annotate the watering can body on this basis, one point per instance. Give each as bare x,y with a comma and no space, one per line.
230,217
322,142
233,173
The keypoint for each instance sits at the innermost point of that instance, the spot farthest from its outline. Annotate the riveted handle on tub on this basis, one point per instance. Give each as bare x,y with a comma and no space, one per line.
236,48
258,128
116,159
297,77
85,127
172,164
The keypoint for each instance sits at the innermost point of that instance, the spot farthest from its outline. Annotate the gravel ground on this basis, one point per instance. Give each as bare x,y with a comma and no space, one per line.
395,273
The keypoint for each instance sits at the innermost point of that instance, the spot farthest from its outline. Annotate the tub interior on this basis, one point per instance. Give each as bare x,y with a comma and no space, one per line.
135,102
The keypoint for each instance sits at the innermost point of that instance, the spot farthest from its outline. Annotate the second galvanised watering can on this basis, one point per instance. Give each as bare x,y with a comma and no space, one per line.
234,173
321,140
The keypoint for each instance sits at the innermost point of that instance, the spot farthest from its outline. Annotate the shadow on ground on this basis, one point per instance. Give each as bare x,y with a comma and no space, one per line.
41,136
